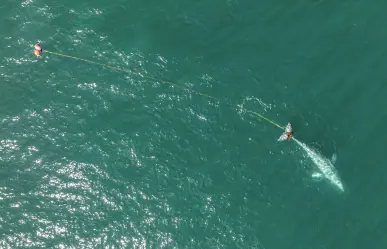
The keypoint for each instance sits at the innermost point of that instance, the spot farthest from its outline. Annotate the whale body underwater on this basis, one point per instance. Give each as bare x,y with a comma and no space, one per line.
324,165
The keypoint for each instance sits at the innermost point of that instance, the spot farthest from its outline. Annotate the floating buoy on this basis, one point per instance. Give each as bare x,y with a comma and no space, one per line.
38,49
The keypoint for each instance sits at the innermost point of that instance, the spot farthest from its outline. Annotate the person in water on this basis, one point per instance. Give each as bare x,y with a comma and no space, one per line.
38,50
288,134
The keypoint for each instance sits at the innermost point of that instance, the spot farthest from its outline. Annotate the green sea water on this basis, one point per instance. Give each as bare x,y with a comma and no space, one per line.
92,157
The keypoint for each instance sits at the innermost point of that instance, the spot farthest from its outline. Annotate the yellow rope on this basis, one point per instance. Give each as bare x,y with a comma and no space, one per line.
157,80
268,120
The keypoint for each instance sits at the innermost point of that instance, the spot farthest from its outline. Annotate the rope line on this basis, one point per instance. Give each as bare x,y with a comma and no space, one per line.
159,80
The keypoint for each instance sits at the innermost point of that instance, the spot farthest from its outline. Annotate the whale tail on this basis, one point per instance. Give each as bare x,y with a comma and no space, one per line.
287,135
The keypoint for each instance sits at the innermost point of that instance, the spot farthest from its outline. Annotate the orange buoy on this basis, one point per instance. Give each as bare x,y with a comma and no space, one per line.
38,49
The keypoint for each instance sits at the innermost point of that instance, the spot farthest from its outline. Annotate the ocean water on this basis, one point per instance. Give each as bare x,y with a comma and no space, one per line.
92,157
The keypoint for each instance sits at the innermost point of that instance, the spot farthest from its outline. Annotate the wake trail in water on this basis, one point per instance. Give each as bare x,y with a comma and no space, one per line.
325,166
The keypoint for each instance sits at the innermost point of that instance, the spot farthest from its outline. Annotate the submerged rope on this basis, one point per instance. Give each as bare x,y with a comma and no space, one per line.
158,80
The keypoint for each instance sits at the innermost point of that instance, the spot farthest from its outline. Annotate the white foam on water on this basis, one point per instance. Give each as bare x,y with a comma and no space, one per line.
325,166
